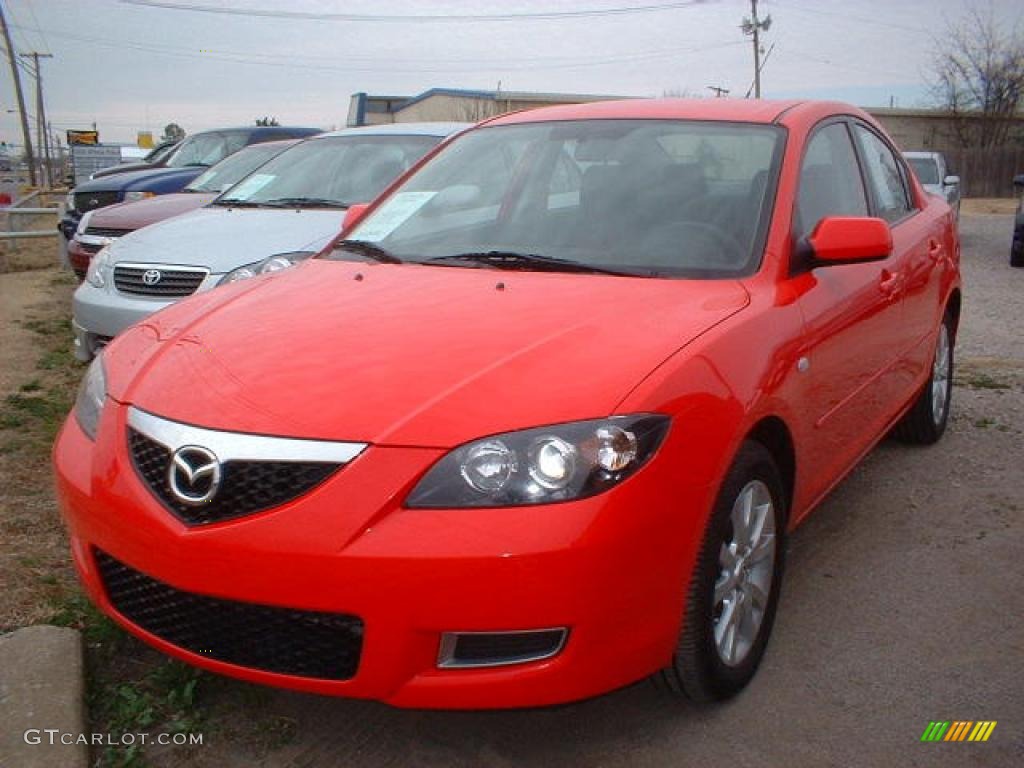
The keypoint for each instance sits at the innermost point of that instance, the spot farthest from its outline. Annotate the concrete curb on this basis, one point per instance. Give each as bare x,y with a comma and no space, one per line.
42,686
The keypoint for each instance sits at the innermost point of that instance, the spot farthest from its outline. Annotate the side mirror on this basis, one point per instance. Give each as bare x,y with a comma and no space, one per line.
951,181
848,240
1018,180
353,215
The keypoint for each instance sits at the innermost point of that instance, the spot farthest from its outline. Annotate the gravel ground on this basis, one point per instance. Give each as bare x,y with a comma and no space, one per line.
902,604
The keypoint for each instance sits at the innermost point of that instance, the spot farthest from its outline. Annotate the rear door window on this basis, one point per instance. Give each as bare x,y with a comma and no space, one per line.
885,176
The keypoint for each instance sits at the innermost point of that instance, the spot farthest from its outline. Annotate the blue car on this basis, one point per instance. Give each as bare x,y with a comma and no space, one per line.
189,159
1017,244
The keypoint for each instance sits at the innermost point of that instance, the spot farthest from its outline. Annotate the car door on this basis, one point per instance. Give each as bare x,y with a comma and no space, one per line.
919,246
852,314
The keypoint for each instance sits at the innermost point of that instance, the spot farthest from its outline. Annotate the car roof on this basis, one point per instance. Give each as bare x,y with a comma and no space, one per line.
732,110
401,129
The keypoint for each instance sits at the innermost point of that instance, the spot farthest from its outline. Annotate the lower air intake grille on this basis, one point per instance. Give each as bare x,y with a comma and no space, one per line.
246,487
290,642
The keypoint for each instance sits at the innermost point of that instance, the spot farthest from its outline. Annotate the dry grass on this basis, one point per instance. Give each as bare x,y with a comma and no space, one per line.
989,205
35,567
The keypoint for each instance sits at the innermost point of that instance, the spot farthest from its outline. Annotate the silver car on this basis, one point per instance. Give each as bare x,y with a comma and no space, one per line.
285,211
933,173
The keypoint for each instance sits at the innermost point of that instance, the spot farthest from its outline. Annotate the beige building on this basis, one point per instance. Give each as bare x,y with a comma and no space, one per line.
444,104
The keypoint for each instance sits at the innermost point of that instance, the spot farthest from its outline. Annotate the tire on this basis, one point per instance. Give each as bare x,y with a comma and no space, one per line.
926,420
701,669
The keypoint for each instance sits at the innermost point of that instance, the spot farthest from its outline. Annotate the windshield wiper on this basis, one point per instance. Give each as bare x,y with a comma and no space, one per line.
234,202
370,250
515,260
304,202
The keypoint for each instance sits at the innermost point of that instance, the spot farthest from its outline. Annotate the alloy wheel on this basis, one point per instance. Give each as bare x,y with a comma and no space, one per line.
746,565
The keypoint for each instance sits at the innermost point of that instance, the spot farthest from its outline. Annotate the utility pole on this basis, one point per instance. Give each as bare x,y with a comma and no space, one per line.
719,91
43,139
26,137
753,27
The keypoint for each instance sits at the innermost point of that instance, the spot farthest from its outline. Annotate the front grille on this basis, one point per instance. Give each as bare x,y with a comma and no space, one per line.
246,487
89,247
90,201
163,282
106,232
291,642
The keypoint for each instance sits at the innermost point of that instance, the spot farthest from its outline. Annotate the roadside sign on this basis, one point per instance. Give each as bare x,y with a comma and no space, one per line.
87,160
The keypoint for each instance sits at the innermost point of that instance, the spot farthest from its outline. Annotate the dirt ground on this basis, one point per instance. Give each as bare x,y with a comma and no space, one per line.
902,605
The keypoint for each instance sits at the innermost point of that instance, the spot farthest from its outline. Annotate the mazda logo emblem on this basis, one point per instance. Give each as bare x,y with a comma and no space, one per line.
151,276
193,475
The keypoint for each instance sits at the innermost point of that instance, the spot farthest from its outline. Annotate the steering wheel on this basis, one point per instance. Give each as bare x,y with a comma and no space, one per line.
686,238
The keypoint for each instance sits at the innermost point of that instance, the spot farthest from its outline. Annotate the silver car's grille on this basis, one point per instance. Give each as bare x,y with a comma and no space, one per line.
158,280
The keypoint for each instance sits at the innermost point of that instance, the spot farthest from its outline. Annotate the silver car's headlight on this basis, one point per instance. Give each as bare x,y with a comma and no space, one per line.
274,263
92,394
542,465
98,264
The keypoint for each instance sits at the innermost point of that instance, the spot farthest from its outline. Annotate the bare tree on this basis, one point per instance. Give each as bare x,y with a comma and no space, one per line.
173,132
266,121
979,78
475,110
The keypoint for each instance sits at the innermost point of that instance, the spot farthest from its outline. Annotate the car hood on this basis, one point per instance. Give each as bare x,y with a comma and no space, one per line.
142,213
407,354
123,168
222,239
139,180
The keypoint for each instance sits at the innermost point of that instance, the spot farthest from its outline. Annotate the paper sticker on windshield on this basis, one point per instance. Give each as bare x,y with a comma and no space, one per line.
251,185
392,215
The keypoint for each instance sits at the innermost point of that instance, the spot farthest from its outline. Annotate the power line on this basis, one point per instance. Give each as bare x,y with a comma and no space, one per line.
389,65
39,29
405,18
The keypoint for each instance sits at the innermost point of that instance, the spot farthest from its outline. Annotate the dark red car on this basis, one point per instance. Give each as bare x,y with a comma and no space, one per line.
99,227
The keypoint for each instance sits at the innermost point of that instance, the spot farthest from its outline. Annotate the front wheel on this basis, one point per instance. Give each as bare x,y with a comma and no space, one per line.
926,420
734,589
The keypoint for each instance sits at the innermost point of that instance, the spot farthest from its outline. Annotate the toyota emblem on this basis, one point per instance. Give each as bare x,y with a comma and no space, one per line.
193,475
151,276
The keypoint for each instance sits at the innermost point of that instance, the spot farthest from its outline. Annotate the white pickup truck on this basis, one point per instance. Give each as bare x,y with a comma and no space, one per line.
933,174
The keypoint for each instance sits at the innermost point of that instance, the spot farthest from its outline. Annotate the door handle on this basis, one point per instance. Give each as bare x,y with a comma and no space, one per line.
891,283
934,250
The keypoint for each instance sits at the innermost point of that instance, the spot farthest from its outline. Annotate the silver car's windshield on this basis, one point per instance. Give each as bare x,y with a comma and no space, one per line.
642,197
927,170
334,171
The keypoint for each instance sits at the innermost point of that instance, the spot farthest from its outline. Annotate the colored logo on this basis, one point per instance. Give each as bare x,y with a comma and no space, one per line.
958,730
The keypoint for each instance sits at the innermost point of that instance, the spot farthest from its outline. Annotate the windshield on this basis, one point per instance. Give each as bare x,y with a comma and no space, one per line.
159,153
234,168
335,171
927,170
205,149
645,197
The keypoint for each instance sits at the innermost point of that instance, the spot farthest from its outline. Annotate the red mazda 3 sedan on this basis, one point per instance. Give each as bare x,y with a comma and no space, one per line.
538,426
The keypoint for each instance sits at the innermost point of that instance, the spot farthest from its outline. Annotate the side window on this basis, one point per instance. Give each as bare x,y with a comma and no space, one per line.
830,183
885,176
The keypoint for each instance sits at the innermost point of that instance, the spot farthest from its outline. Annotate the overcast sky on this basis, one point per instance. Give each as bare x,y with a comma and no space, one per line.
132,67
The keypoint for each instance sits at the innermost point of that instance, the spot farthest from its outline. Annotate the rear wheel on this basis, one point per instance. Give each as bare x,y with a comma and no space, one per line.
926,420
734,589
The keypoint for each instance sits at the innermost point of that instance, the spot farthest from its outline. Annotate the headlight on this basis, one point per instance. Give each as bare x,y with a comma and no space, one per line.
96,274
272,264
543,465
132,196
92,394
69,201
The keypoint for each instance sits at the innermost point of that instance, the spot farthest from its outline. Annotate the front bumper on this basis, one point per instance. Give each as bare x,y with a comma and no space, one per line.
99,314
612,569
